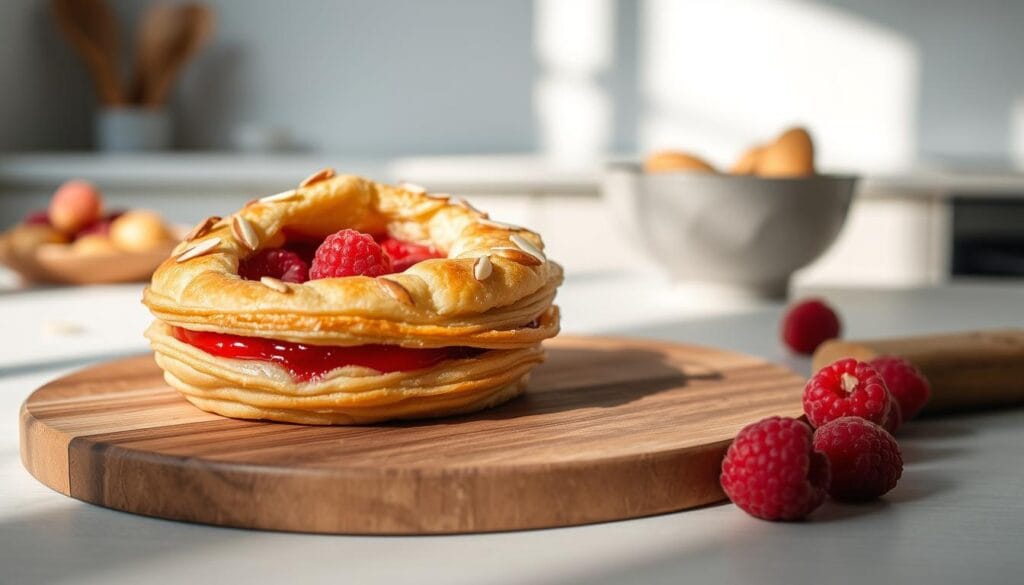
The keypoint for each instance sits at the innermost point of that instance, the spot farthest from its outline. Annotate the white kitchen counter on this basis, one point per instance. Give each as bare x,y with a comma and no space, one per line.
956,516
476,174
156,173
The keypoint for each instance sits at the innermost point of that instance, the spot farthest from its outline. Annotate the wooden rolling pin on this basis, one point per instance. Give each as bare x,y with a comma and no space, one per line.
966,370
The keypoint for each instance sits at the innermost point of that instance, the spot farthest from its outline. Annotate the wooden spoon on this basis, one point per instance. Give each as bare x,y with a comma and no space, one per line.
158,34
169,38
90,27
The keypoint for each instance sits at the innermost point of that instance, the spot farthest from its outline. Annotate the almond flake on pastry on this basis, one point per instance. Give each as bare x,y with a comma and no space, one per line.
491,293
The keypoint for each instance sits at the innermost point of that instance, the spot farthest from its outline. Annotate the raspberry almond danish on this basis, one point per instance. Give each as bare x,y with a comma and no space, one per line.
345,301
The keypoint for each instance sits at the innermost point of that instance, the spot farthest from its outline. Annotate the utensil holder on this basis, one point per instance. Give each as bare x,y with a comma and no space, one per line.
129,129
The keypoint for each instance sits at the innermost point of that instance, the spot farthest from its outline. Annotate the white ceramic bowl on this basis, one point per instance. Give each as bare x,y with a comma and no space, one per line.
744,233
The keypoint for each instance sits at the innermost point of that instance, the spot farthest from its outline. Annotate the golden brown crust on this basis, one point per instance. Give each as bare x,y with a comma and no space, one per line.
494,290
442,293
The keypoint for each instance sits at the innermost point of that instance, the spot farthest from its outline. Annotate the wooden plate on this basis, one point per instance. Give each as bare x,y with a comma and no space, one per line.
61,263
608,429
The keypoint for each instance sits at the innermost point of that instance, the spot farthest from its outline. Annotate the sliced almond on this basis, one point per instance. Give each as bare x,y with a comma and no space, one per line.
500,225
518,256
273,283
201,228
527,246
250,203
181,247
482,268
289,195
243,232
396,291
321,175
467,206
413,188
199,249
438,196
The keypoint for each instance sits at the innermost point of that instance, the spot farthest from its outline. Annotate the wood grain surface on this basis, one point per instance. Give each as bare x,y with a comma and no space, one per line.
969,370
608,429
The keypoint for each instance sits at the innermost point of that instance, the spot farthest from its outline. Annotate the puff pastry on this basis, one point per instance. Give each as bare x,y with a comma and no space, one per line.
492,294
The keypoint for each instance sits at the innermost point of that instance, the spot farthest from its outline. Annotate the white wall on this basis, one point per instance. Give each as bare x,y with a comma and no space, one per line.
456,76
972,69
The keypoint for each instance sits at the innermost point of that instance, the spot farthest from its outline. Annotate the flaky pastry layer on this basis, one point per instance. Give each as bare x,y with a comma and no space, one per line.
494,290
350,395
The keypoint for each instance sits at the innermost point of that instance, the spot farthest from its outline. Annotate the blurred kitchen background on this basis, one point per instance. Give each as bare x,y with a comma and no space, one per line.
519,104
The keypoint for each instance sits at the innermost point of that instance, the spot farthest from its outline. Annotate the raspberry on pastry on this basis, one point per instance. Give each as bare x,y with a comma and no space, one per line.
284,265
349,253
325,327
405,254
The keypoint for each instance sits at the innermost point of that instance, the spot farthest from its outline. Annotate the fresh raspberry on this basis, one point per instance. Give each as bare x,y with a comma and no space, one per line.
278,263
905,382
405,254
306,249
349,253
771,470
846,388
864,458
894,420
808,324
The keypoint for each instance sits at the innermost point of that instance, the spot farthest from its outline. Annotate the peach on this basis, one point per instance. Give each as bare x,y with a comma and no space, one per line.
94,244
23,239
75,205
139,230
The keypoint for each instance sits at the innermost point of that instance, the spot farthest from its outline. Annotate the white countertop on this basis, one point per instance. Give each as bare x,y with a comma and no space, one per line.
956,516
153,173
466,174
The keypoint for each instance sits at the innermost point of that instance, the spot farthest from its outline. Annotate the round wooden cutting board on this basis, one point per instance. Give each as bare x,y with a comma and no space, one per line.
608,429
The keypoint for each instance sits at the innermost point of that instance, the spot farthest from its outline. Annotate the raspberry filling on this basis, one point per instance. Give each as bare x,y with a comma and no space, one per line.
345,253
310,362
405,254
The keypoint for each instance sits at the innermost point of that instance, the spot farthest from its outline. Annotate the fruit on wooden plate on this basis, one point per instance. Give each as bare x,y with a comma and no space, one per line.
94,245
674,161
139,230
72,241
24,238
75,205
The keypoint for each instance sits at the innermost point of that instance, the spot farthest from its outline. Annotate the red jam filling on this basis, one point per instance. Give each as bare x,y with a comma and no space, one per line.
311,362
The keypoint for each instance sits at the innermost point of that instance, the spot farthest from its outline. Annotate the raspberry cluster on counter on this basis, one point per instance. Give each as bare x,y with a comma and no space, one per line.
783,468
